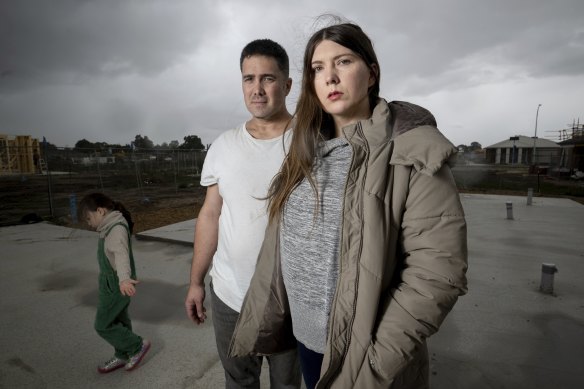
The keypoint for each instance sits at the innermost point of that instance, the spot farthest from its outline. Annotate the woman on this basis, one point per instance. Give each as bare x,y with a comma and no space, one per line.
366,251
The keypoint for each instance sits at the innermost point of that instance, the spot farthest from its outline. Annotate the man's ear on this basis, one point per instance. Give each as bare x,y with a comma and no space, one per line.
288,85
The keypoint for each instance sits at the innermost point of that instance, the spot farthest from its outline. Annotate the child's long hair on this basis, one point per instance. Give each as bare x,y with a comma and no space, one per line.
92,201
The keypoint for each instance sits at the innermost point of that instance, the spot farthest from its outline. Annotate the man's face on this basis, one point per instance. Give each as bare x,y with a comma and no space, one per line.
265,87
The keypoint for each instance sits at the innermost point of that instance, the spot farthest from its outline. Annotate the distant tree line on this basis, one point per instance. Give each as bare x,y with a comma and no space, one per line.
190,142
474,146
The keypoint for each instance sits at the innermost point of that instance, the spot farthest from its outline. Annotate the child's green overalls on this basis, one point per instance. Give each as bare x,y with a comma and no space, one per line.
112,321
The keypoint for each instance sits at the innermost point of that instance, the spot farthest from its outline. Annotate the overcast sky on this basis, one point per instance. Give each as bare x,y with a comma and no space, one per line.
107,70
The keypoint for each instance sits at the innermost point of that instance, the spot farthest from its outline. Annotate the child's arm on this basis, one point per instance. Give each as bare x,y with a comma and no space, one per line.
117,248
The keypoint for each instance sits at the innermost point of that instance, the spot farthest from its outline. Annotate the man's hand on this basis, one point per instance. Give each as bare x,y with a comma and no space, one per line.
194,304
127,287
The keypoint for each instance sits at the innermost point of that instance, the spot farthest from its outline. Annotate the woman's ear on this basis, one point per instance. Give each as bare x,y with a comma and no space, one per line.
373,74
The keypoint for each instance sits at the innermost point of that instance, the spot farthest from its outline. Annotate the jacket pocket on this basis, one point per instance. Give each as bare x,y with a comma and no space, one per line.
374,373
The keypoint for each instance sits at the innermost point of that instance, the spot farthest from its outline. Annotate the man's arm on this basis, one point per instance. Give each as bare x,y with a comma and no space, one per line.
205,245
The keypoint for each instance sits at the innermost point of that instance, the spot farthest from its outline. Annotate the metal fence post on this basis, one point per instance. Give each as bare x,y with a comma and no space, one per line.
73,207
509,210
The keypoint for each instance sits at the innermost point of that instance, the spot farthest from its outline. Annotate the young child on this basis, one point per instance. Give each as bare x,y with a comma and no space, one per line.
117,277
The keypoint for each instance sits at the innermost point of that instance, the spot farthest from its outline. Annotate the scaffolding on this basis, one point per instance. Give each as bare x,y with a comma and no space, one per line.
20,154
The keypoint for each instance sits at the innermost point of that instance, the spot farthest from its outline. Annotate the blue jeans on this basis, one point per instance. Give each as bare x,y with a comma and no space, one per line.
310,362
244,372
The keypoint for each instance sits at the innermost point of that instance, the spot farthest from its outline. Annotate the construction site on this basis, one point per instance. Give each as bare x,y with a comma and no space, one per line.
512,329
42,183
20,154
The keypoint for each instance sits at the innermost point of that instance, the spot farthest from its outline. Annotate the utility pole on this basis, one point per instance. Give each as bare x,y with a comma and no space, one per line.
533,159
49,184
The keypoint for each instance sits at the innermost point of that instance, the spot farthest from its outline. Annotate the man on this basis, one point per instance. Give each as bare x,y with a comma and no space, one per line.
230,227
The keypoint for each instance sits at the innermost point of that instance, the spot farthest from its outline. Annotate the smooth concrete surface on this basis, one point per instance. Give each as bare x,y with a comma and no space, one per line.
48,278
504,333
181,233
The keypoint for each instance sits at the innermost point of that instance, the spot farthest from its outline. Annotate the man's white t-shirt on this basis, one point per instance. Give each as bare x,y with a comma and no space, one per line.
243,168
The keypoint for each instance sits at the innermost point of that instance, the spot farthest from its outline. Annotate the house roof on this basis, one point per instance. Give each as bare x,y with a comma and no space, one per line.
573,141
525,142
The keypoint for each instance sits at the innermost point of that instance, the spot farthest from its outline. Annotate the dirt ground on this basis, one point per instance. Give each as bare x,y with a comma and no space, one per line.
154,203
25,199
166,212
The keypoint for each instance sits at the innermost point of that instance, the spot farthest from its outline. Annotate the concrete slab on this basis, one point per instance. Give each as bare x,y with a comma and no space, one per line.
48,278
181,233
504,333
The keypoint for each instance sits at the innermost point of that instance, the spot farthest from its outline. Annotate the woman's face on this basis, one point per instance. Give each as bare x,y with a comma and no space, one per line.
341,82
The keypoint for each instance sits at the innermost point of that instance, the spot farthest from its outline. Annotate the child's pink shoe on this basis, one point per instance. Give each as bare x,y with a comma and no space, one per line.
137,358
113,364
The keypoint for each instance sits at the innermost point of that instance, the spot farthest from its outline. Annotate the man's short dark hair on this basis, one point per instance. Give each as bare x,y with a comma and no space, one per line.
268,48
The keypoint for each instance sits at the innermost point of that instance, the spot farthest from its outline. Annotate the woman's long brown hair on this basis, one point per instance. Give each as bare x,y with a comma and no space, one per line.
313,124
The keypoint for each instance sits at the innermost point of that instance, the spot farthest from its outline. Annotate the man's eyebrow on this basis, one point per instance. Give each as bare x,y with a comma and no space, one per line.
259,75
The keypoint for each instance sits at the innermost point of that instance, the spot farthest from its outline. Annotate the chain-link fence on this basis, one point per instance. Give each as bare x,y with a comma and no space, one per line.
64,175
162,161
167,178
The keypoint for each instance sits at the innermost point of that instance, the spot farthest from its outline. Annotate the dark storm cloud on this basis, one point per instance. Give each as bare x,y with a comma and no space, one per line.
108,70
122,117
67,41
429,38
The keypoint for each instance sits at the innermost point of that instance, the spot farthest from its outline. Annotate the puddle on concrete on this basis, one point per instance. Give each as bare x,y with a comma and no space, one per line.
155,302
17,362
66,279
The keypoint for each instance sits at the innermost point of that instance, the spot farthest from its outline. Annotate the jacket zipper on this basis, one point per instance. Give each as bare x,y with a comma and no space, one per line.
332,374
